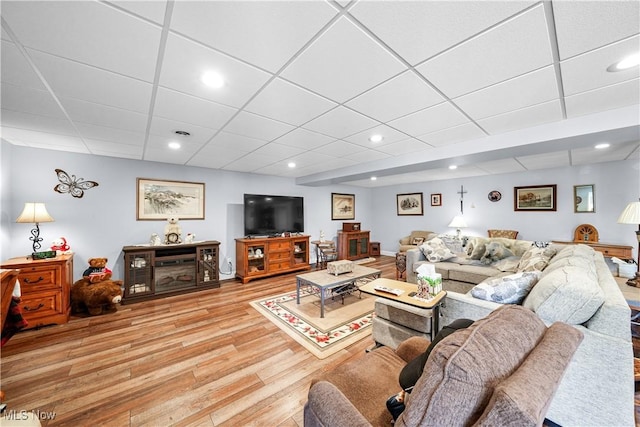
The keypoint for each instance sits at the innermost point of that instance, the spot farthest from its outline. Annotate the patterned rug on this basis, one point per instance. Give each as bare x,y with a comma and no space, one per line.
342,325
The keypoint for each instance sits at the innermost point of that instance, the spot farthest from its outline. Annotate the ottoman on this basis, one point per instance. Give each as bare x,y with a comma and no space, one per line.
394,322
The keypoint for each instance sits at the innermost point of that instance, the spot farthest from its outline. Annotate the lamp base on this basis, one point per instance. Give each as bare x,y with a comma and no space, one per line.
635,281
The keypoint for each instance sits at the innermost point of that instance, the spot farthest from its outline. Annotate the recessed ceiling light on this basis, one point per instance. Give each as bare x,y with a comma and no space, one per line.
182,133
174,145
630,61
452,167
212,79
375,138
603,145
373,178
291,165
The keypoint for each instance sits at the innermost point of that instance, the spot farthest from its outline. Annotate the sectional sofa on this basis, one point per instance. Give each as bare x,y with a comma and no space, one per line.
575,287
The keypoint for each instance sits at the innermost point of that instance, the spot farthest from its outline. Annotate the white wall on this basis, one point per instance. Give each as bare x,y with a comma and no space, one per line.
104,220
616,185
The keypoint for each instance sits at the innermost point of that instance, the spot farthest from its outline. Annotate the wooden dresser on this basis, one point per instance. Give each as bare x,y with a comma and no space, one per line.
45,285
608,250
260,257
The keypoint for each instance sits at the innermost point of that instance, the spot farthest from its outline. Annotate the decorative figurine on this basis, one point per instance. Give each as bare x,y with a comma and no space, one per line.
155,240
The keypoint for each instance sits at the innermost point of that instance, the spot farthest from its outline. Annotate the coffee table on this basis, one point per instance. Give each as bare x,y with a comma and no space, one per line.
322,282
407,288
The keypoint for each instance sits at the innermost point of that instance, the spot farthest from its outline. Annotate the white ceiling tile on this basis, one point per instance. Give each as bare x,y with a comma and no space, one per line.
510,49
161,143
605,98
441,116
74,80
588,155
44,140
111,148
340,123
467,131
532,88
340,149
397,97
87,31
110,134
165,156
555,159
311,158
21,120
189,109
585,25
278,151
166,129
586,72
526,117
406,25
250,162
152,10
235,142
368,156
185,62
509,165
258,127
15,69
289,103
103,115
214,156
5,36
264,33
388,134
342,63
410,145
28,100
304,139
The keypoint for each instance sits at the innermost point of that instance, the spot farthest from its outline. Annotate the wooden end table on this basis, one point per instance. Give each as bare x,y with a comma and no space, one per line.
401,265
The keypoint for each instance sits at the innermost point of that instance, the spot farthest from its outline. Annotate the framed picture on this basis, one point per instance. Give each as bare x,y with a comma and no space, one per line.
343,206
535,198
409,204
584,198
436,199
160,199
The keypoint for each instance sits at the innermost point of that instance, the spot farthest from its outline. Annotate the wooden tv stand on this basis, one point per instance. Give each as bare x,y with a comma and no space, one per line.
267,256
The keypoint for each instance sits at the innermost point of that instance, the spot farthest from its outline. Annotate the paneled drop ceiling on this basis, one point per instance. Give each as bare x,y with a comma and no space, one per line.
492,87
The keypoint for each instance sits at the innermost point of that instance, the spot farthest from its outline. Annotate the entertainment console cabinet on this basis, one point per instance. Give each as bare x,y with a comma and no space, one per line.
267,256
353,245
158,271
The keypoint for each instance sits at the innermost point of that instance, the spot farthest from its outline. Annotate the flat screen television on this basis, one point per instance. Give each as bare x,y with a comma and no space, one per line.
266,215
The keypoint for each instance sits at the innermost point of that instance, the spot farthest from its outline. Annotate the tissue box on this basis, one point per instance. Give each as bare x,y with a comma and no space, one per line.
627,270
340,267
429,286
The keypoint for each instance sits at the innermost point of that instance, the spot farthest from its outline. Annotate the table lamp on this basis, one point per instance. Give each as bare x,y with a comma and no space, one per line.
35,213
631,215
458,222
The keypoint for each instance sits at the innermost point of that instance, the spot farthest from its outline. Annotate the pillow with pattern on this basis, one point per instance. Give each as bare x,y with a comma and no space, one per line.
435,250
536,259
511,289
417,241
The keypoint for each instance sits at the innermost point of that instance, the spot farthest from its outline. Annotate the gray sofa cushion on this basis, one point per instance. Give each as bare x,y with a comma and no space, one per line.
511,289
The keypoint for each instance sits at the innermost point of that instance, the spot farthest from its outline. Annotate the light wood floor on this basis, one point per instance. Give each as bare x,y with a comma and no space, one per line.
205,359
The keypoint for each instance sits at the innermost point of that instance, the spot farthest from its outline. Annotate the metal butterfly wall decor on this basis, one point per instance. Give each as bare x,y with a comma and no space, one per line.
72,185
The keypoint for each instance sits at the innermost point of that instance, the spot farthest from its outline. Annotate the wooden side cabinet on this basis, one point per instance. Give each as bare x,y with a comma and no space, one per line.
263,257
45,285
157,271
353,245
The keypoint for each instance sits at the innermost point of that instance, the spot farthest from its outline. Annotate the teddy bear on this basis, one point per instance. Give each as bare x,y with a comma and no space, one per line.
97,270
60,246
495,251
96,298
172,231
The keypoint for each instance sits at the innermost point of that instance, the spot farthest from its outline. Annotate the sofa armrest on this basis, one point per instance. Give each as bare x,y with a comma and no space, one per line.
464,306
327,406
412,347
405,240
413,256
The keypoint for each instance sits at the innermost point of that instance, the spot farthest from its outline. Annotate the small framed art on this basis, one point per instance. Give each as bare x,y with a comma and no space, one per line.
343,206
436,199
409,204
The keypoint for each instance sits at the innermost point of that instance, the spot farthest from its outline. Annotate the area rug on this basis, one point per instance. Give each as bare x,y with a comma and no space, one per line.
342,325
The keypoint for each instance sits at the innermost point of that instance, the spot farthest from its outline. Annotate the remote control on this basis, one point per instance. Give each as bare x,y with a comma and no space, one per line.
395,292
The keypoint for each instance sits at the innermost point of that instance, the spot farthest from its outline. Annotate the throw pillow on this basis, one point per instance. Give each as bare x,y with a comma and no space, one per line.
536,259
508,264
417,241
435,250
510,289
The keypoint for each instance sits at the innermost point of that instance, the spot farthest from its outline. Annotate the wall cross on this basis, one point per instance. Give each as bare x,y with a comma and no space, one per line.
462,192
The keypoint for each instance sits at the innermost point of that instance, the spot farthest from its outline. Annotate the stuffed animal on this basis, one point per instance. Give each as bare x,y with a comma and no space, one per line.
97,270
60,246
96,298
495,251
172,231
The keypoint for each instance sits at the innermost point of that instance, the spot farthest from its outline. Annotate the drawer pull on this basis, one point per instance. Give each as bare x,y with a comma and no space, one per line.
26,307
40,279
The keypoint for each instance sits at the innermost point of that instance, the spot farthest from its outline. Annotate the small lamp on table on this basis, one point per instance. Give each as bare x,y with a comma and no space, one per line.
458,222
35,213
631,215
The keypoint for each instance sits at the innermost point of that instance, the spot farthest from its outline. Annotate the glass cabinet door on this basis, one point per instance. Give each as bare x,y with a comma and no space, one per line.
300,250
139,267
207,264
256,258
364,245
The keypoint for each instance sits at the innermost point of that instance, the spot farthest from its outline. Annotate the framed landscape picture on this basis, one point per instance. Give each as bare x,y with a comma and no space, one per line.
343,206
535,198
409,204
160,199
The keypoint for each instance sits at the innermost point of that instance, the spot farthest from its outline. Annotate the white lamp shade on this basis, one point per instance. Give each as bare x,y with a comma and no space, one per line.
630,214
34,213
458,222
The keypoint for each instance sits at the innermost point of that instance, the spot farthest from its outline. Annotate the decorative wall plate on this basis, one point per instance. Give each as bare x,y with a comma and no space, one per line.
494,195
